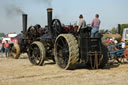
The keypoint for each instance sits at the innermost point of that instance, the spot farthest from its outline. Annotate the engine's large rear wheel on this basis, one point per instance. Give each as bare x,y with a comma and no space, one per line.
14,51
66,51
37,53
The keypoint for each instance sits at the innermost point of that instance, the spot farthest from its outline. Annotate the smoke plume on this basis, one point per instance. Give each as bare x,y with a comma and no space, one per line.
45,2
13,10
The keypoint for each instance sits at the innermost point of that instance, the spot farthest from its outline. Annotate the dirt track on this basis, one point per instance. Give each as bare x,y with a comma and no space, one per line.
22,72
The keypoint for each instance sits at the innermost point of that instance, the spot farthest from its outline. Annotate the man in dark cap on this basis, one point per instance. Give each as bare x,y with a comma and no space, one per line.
82,23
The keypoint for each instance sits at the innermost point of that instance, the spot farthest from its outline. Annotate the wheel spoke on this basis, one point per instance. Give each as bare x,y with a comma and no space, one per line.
63,43
32,57
59,46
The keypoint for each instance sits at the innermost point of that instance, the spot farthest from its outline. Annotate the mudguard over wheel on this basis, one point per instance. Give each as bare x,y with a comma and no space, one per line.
37,53
14,50
66,51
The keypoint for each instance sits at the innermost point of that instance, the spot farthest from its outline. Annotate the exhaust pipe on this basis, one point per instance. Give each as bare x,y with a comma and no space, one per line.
24,21
119,29
49,14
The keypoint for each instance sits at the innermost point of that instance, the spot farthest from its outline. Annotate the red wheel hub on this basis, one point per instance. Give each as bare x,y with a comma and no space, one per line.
126,53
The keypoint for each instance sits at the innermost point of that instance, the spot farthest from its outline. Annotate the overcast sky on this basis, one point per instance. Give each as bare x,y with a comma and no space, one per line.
112,12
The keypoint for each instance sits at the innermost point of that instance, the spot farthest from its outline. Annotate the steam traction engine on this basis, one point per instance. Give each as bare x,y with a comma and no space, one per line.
63,44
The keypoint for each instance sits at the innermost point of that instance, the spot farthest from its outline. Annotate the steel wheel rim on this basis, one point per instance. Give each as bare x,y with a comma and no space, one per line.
56,26
62,49
13,51
35,54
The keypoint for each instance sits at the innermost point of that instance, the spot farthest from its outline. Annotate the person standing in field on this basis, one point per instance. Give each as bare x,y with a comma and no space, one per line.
2,48
6,46
95,24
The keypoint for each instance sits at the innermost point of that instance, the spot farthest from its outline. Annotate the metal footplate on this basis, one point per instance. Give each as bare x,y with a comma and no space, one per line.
95,59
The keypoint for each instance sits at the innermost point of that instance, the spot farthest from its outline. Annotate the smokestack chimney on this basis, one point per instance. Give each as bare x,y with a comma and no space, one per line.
119,28
49,12
24,18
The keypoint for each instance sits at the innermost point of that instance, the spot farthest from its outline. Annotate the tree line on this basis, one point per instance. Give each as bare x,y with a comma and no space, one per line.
5,35
114,30
2,35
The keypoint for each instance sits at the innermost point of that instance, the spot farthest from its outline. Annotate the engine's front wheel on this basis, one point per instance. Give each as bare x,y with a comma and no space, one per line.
37,53
14,50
